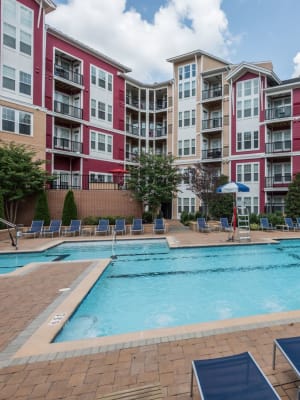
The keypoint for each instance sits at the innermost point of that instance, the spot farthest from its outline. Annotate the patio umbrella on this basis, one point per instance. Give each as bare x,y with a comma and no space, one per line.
233,187
118,171
118,175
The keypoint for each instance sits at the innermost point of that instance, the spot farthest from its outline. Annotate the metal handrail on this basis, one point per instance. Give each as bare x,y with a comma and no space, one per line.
11,225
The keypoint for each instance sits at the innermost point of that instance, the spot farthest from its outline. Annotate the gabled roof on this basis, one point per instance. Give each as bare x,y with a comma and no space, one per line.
188,56
244,67
48,5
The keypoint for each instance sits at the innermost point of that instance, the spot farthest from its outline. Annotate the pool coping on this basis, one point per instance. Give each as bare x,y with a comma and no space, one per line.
34,343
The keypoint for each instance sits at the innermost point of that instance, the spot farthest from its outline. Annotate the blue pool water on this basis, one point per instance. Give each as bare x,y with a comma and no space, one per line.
150,286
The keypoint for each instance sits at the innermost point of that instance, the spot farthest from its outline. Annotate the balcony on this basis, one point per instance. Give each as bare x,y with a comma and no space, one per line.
271,208
67,145
212,93
82,182
161,105
158,132
133,129
134,102
278,181
213,123
68,74
67,109
278,112
279,146
211,154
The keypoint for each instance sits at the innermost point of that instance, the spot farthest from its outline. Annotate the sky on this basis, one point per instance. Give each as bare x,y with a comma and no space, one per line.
143,34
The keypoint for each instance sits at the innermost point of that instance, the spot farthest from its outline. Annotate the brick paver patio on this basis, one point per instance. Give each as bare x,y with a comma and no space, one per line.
168,363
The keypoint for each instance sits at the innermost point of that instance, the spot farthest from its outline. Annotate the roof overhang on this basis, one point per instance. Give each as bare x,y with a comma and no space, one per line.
48,5
243,68
195,53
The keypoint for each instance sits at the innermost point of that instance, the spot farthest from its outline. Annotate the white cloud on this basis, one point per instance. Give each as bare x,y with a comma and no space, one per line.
178,27
296,61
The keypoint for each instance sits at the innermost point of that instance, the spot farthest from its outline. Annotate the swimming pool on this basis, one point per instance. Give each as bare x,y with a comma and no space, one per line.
149,286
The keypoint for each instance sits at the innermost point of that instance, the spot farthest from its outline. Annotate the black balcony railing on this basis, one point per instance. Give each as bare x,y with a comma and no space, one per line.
271,208
212,93
134,102
67,109
278,112
278,146
212,123
85,182
68,74
133,129
159,131
67,145
161,104
211,154
278,180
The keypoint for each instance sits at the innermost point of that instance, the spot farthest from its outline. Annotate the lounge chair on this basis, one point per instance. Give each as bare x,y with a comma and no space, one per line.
137,226
74,228
289,224
159,226
35,229
120,226
102,227
298,222
290,348
265,225
202,225
236,377
54,228
224,224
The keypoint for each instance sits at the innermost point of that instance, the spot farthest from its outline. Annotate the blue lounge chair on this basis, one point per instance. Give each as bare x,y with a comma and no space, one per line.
120,226
74,228
202,225
298,222
159,226
289,224
225,227
236,377
265,225
290,349
137,226
102,227
54,228
35,229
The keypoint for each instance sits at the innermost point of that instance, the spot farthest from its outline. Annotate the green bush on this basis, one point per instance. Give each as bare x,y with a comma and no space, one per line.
147,217
184,218
69,208
2,226
253,219
42,208
254,227
90,220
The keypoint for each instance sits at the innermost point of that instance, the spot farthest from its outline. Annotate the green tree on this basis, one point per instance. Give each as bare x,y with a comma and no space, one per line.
42,208
21,175
69,208
2,226
292,199
154,181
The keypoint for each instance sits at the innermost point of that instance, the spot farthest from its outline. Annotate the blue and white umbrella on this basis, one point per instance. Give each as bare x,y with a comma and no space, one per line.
233,187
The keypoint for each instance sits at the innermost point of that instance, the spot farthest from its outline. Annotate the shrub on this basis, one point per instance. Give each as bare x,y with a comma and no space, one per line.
184,218
42,208
147,217
2,226
69,209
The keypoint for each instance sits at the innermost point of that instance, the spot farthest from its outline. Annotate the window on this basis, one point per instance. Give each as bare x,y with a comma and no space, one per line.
8,119
180,73
247,172
255,106
9,78
24,123
186,204
193,117
16,121
101,110
180,90
109,82
109,113
9,10
26,17
93,107
186,118
186,147
180,147
247,108
180,119
193,146
101,78
101,143
239,109
100,178
25,42
247,140
93,75
193,70
9,35
187,69
247,88
247,103
186,89
25,83
187,85
193,88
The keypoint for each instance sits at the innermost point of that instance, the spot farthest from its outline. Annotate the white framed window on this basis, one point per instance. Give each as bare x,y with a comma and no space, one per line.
25,83
186,89
180,119
16,121
186,118
247,104
93,108
180,147
10,10
101,110
247,172
109,113
247,140
25,42
250,203
9,35
180,90
187,83
101,78
282,172
9,78
26,17
109,82
186,204
93,75
193,88
95,177
101,143
193,117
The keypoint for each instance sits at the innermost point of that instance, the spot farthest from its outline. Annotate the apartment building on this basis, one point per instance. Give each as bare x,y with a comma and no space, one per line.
89,120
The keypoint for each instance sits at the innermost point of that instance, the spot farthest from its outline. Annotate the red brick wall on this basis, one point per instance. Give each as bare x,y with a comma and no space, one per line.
95,203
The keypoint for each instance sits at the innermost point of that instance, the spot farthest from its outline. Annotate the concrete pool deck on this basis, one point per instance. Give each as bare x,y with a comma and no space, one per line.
27,299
